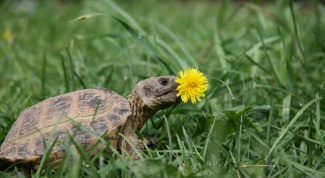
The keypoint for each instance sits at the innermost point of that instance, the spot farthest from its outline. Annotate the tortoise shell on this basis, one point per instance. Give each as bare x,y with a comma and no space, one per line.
85,114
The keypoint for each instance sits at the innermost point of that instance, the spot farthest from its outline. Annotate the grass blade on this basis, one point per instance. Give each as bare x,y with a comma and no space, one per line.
137,36
73,82
286,129
65,75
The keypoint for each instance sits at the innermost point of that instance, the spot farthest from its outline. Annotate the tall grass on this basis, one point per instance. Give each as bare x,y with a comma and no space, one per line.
262,115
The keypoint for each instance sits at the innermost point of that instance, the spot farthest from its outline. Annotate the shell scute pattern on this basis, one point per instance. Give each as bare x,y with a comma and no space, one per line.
39,144
35,126
57,106
10,151
78,130
12,134
99,126
115,120
29,120
23,150
61,135
120,111
80,134
88,101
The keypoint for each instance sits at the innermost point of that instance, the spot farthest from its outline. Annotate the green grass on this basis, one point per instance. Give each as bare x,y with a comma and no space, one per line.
263,115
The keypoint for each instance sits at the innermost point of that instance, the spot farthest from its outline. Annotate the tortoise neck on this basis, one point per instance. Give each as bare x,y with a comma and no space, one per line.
140,111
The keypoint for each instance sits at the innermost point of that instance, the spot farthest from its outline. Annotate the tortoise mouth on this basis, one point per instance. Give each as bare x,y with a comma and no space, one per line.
173,91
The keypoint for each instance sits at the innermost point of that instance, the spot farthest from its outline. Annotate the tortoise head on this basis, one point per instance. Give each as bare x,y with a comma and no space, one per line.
151,95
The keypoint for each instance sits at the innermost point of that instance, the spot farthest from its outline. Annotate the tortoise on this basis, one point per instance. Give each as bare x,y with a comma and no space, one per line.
87,115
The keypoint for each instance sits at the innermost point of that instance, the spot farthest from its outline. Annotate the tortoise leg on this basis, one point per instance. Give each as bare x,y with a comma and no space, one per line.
150,142
127,146
130,144
139,145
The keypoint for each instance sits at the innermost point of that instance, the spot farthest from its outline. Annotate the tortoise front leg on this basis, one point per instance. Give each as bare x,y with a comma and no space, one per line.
132,141
128,145
150,142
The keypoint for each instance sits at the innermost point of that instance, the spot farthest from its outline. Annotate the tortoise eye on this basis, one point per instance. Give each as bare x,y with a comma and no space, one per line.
163,81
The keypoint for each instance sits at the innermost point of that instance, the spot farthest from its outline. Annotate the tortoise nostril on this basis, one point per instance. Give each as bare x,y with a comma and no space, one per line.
163,81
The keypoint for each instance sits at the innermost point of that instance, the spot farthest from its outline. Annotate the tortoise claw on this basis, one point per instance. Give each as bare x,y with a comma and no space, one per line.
150,142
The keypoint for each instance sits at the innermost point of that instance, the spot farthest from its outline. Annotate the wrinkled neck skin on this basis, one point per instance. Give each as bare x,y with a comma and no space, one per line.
141,112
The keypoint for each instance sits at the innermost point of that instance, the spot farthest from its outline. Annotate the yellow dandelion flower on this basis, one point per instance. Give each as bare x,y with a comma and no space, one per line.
192,85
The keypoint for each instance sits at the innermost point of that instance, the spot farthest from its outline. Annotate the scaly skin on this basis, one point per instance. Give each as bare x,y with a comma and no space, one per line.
147,97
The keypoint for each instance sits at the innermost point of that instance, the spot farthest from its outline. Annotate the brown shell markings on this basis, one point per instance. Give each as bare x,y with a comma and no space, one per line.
25,140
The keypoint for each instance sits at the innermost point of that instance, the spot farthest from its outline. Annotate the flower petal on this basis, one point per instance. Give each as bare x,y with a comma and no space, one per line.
192,85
